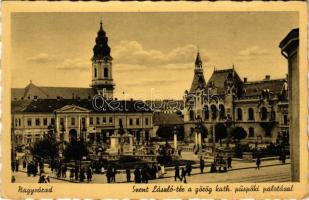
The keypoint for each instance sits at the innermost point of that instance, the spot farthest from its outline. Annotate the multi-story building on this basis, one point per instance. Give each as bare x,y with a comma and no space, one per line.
75,112
260,108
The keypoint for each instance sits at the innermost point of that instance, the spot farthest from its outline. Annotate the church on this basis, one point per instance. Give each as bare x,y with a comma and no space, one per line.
258,108
92,113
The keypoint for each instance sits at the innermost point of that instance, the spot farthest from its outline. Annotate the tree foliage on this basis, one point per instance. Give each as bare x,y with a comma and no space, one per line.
239,133
46,147
220,131
75,150
167,132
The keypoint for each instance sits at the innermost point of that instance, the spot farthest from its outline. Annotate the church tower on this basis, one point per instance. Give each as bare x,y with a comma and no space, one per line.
102,79
198,79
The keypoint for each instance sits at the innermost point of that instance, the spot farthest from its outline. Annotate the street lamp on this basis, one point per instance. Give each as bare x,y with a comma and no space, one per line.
228,123
175,138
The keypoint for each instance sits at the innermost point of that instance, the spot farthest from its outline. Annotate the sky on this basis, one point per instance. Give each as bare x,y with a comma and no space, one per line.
153,53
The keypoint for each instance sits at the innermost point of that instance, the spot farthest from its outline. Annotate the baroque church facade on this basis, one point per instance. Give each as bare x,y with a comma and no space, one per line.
259,108
70,112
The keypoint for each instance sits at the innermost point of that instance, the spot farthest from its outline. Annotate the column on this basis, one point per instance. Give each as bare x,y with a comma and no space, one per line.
175,142
200,139
196,138
290,50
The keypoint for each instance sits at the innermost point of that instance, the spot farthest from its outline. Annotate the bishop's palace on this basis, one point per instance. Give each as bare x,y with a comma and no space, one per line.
259,108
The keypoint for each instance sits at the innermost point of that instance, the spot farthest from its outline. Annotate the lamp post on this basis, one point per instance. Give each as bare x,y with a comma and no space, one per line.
175,138
228,123
198,130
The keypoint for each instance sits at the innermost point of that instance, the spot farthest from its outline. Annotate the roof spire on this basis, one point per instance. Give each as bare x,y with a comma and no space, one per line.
101,24
198,61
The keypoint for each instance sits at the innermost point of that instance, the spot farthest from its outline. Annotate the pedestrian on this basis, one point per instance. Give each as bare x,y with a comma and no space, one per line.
128,172
283,158
183,175
189,168
13,166
137,175
76,173
258,163
177,173
64,171
89,174
229,162
114,171
24,164
13,179
202,165
154,171
82,175
71,174
108,174
144,175
17,165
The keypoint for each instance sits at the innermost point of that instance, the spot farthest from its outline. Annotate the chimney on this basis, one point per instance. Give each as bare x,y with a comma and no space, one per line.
267,77
245,79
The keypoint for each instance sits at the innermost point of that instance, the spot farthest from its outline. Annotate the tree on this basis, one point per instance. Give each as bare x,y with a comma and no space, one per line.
239,133
46,147
75,150
220,132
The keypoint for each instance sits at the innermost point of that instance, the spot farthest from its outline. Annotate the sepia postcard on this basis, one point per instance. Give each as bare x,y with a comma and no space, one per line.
154,100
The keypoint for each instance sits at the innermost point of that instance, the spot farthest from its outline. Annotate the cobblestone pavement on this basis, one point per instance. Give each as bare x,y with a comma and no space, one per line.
270,171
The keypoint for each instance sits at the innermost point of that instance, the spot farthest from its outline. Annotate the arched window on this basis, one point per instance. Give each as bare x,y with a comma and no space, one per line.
251,132
105,72
250,114
213,112
191,113
95,72
263,113
221,111
206,113
273,116
239,114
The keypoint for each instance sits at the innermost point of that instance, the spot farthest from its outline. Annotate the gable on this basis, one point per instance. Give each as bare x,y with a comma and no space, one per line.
72,109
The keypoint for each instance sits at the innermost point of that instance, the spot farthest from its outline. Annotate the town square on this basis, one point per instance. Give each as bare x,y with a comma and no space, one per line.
220,124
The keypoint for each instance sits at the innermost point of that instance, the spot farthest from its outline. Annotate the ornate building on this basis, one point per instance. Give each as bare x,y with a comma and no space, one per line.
72,112
260,108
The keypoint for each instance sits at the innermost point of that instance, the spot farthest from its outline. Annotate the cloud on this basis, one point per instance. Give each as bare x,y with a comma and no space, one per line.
133,53
74,64
250,53
41,58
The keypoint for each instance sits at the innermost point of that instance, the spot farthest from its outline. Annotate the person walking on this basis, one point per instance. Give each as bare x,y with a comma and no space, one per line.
258,163
24,164
202,165
229,162
128,173
76,173
89,174
71,174
177,173
189,168
183,175
17,165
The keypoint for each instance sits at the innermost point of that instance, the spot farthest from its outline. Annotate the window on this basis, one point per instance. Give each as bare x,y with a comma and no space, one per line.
105,72
16,122
251,132
91,120
147,121
37,122
83,122
213,112
120,122
137,121
19,122
273,116
45,121
263,113
131,121
239,114
110,120
285,119
95,72
221,111
206,112
73,121
191,113
61,121
98,120
52,121
250,114
104,120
